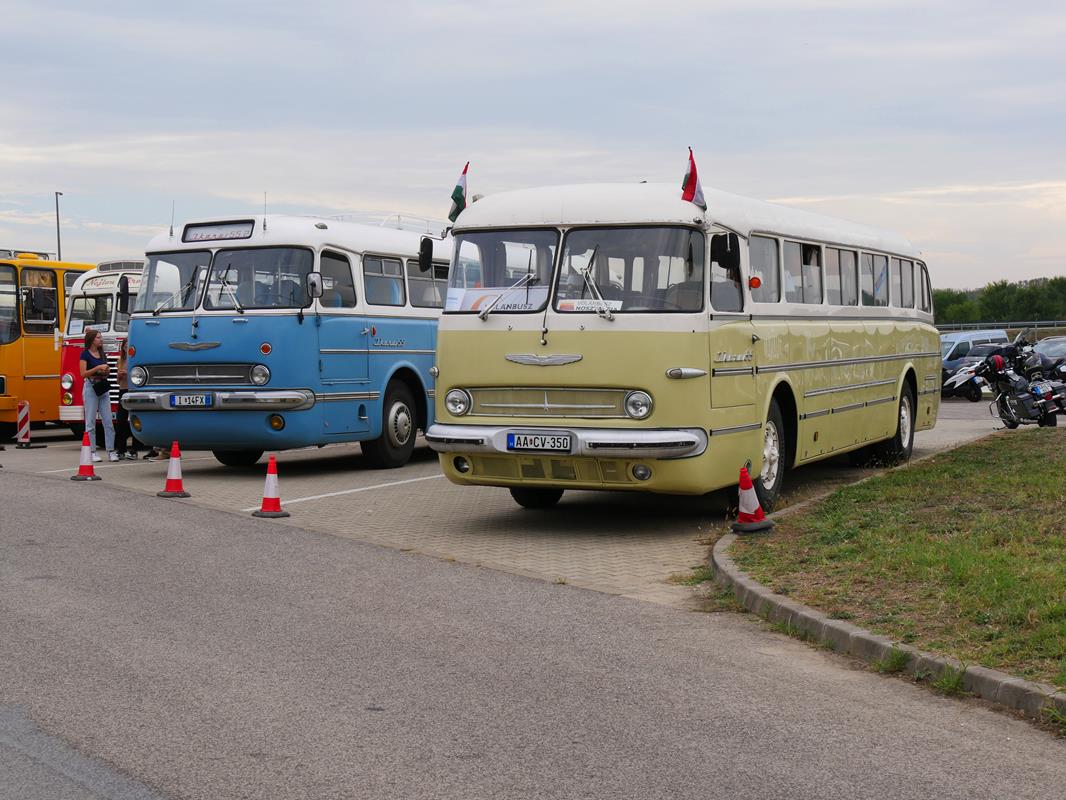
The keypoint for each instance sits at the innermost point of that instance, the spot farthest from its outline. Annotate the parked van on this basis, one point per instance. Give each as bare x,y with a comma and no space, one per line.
956,345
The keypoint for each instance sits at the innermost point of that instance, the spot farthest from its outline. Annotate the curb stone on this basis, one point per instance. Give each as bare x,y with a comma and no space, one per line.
1032,699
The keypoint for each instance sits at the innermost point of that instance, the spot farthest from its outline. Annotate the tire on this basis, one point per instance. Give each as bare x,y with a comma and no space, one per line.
1049,421
536,498
399,427
898,449
973,392
775,459
1006,414
237,458
8,431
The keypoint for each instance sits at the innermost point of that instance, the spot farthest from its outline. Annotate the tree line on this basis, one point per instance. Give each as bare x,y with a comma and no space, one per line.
1002,301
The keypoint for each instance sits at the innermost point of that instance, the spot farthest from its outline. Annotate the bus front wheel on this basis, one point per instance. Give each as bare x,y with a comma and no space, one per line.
399,424
774,458
77,429
536,498
237,458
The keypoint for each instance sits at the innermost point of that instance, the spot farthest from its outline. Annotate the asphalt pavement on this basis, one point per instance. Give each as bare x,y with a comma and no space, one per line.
154,648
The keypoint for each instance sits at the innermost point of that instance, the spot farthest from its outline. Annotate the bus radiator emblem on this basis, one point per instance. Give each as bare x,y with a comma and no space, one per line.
534,360
195,345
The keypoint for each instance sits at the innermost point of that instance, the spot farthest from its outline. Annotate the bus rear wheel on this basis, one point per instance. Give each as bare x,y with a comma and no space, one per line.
536,498
898,449
237,458
399,424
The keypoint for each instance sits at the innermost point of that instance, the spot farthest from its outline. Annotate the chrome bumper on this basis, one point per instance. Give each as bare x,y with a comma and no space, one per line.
284,400
595,442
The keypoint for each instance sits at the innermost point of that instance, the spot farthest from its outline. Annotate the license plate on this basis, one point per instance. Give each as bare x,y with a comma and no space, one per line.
1041,389
539,441
190,401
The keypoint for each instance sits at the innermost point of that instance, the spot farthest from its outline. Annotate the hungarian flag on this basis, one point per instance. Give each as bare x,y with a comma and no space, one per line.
690,187
459,196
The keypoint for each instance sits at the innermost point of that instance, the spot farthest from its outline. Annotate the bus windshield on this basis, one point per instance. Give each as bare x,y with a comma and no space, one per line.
89,311
265,277
631,270
9,317
509,271
172,281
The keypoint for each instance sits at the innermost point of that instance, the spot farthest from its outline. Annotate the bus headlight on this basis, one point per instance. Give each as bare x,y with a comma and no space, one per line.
638,404
67,381
260,375
68,399
457,402
138,376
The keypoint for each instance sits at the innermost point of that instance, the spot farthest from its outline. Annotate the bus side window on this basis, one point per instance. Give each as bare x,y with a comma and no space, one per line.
874,280
427,288
841,277
926,294
726,294
38,300
762,261
338,286
803,273
907,278
383,281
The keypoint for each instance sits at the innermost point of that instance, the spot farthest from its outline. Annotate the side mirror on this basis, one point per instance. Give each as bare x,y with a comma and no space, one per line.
425,256
124,295
314,285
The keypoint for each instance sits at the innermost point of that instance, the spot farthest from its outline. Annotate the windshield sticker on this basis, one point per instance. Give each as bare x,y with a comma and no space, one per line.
589,305
521,299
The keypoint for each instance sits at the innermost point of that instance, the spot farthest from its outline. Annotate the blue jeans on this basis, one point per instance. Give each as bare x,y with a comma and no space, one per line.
94,404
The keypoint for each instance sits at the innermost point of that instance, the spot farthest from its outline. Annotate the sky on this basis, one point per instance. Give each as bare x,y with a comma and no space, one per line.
943,121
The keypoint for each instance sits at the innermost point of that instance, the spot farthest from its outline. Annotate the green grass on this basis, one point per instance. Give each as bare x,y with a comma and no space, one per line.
963,554
700,574
1056,719
896,661
950,682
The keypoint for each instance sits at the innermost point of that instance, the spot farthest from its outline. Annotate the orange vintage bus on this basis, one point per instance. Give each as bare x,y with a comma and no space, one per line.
33,298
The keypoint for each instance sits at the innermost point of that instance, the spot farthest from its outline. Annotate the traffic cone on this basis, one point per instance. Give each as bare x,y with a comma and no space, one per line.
750,517
85,467
173,486
271,498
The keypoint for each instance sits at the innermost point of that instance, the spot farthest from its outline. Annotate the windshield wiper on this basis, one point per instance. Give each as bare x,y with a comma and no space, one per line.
529,279
179,293
229,290
605,310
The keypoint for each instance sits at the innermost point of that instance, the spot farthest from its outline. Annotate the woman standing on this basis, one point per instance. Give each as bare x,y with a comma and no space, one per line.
96,392
123,433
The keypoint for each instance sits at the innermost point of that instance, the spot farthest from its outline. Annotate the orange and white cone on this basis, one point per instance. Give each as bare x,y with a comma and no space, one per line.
271,498
750,517
85,467
174,487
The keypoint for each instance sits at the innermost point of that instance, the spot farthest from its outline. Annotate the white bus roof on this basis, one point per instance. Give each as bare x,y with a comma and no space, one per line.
304,231
105,276
650,203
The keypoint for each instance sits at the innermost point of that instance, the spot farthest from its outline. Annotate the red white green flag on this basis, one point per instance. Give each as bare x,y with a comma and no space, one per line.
459,196
690,186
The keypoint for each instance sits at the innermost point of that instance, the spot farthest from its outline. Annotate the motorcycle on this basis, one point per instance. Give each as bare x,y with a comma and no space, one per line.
1030,388
970,388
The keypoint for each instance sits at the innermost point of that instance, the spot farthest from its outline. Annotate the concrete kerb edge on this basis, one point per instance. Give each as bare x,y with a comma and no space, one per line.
1032,699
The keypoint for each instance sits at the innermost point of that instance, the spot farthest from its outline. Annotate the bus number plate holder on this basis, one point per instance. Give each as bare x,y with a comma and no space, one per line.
190,401
539,442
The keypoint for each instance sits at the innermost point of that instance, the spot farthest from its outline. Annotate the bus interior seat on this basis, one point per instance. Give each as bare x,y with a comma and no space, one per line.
331,298
687,295
383,291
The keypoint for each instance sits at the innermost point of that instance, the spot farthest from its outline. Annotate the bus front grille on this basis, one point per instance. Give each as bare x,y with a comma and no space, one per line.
199,374
548,402
585,470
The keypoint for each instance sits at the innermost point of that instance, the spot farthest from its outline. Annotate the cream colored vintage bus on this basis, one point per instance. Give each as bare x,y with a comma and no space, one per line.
618,337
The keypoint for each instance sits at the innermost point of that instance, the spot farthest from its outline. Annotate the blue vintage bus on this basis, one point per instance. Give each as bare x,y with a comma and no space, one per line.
275,332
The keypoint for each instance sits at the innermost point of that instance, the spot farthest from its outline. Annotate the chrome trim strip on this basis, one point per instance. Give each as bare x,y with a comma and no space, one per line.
934,390
849,387
281,400
39,377
849,407
880,400
332,397
547,360
719,371
681,373
333,351
841,362
735,429
492,439
813,414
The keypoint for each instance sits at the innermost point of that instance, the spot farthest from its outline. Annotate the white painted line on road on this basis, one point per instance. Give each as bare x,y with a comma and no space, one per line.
120,464
350,491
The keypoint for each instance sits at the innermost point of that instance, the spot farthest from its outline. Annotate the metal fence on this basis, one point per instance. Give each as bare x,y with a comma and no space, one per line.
1014,326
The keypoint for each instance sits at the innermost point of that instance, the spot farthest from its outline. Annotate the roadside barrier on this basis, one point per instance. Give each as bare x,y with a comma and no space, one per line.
24,428
271,507
85,467
174,487
750,516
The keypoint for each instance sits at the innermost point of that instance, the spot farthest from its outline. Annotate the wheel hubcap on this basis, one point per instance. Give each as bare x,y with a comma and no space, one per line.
905,420
771,456
400,425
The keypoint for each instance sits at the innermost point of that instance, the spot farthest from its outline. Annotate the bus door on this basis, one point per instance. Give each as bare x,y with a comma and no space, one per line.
343,350
731,343
40,317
